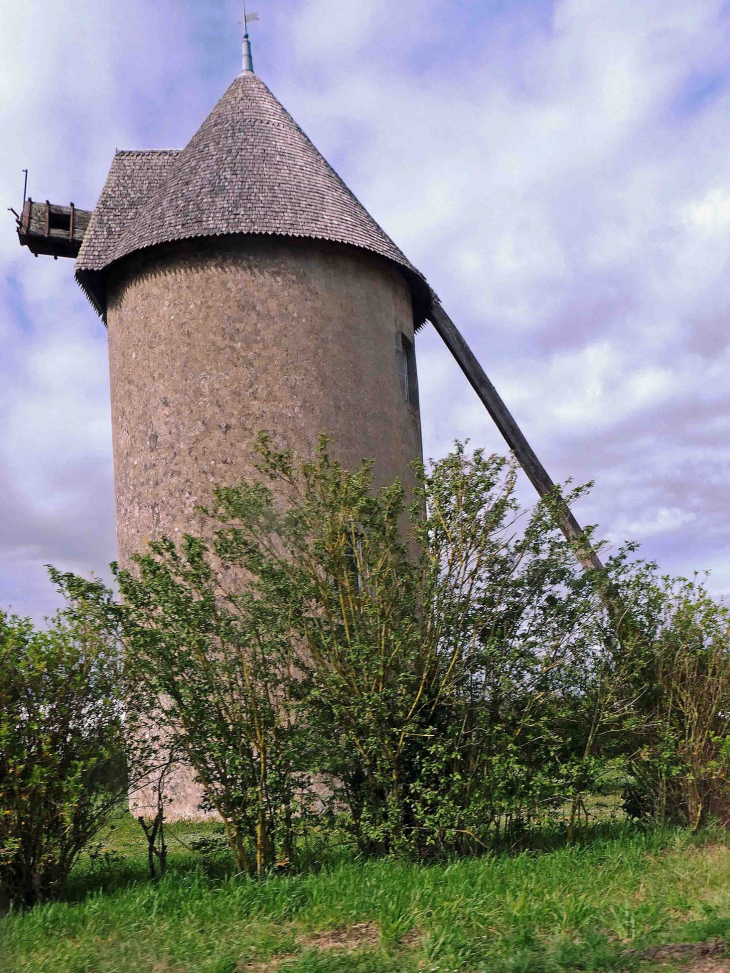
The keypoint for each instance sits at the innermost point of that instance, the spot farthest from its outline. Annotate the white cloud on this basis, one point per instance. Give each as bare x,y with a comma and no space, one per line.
661,521
711,214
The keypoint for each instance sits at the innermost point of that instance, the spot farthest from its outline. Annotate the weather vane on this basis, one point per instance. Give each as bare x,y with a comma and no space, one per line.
247,58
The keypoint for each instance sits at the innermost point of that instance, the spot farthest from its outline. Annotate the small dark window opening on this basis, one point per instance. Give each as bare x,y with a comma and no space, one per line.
353,565
354,558
59,221
408,373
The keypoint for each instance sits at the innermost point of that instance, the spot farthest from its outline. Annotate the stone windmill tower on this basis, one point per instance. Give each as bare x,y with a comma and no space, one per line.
245,288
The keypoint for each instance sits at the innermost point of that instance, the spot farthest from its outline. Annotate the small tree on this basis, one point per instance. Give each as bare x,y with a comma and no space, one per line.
153,825
434,645
675,681
62,748
214,666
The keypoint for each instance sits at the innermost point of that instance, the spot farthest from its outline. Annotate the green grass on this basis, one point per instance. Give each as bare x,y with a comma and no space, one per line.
573,908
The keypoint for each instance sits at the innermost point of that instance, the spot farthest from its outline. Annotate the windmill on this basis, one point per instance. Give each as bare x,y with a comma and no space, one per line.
155,201
245,288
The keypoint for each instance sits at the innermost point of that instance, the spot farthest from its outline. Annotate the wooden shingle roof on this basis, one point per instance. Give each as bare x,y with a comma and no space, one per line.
133,178
249,169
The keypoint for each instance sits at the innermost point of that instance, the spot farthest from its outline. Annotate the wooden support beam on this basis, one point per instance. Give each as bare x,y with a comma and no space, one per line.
526,457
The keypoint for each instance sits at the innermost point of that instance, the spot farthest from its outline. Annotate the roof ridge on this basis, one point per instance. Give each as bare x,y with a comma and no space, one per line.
148,151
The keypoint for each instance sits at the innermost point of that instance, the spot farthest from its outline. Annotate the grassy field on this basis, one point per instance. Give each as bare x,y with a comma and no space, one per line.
605,905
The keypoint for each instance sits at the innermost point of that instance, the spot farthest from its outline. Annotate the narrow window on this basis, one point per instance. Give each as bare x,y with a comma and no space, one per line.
354,560
407,367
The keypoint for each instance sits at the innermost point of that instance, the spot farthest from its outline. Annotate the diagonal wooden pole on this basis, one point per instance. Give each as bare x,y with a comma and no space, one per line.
526,457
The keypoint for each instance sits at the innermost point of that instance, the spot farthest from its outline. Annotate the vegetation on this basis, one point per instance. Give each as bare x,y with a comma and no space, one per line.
61,737
675,733
422,677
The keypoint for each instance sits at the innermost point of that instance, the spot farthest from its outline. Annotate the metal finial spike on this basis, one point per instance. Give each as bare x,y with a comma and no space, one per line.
247,57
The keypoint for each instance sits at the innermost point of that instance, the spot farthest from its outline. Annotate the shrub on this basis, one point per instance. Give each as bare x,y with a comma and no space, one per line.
675,658
330,645
440,650
437,671
61,748
213,666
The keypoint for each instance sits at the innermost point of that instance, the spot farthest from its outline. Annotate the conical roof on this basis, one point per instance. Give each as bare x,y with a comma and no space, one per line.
249,169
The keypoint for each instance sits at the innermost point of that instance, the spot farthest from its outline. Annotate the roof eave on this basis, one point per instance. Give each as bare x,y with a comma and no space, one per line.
93,281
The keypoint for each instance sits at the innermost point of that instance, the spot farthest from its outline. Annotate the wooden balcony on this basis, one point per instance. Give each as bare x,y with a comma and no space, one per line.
56,231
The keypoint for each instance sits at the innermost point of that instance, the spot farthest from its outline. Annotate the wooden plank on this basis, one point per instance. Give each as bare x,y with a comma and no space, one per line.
526,457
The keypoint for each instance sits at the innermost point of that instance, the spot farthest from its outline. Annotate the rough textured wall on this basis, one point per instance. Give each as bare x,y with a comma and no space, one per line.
213,341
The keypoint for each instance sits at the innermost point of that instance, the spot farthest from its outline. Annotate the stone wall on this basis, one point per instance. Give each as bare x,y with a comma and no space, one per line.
213,341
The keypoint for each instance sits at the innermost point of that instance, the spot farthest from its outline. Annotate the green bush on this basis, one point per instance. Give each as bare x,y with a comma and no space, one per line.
61,748
674,690
430,669
422,668
442,649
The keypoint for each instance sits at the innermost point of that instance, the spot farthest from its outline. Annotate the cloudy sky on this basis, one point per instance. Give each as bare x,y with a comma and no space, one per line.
560,171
